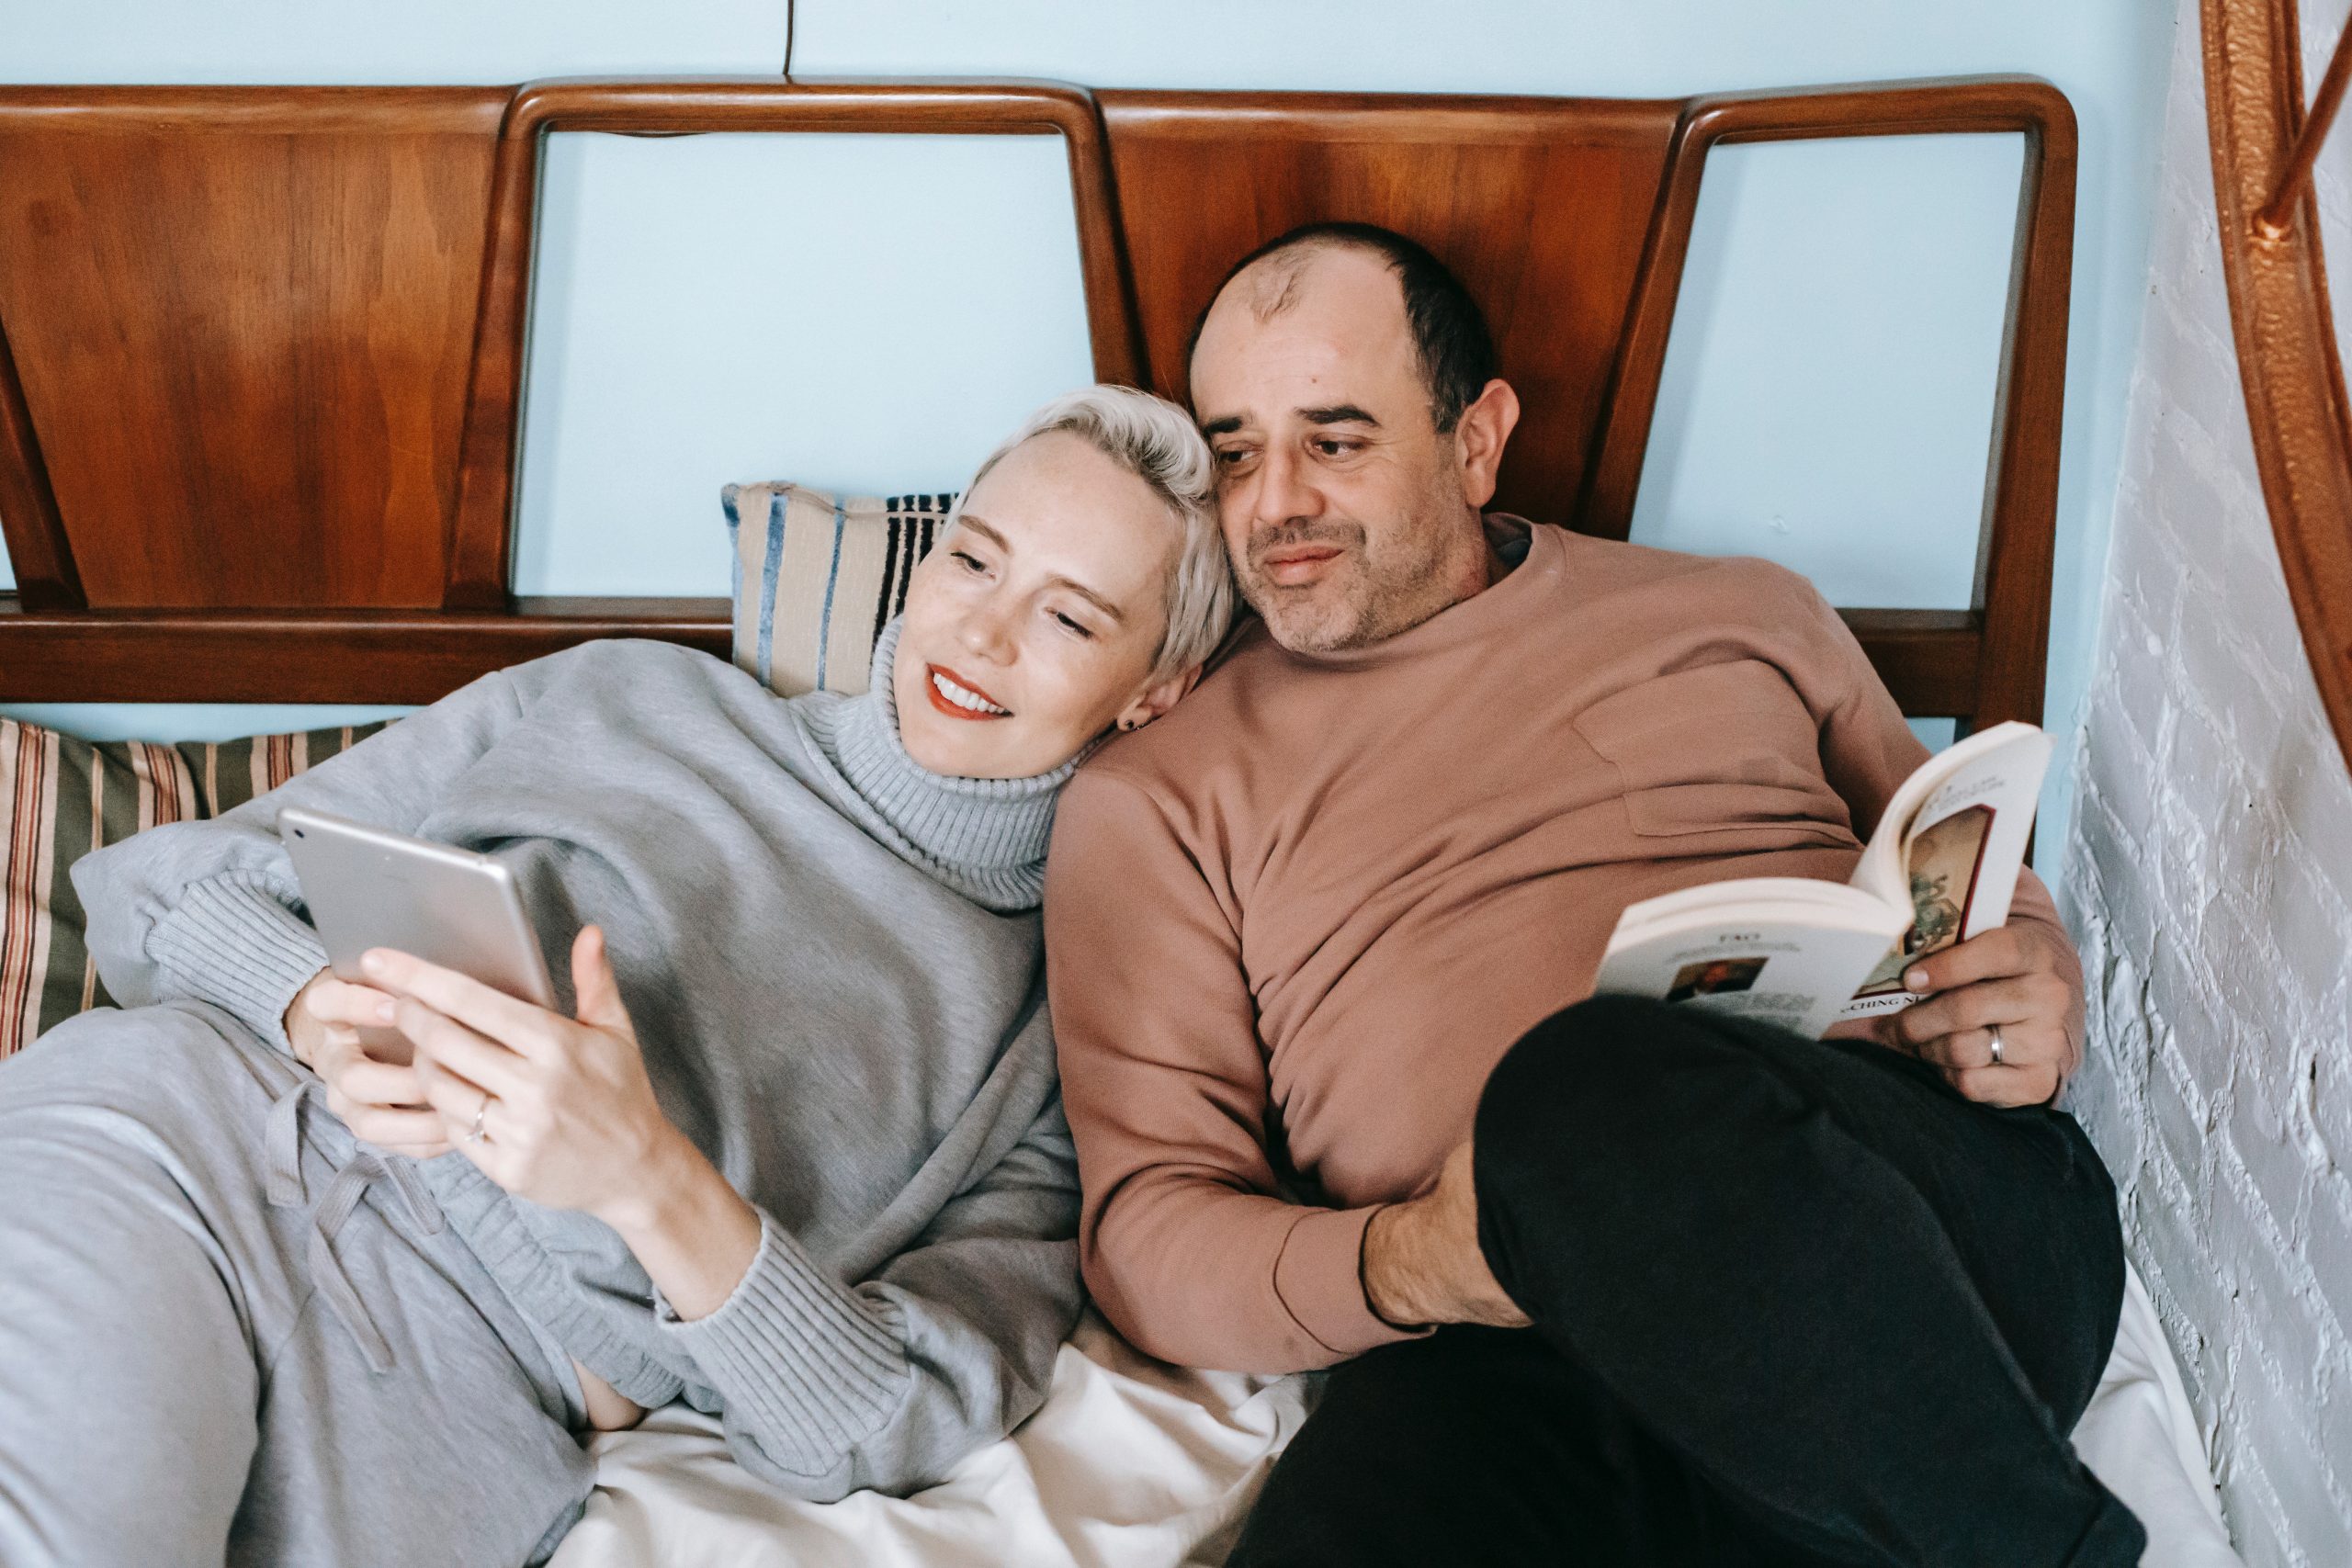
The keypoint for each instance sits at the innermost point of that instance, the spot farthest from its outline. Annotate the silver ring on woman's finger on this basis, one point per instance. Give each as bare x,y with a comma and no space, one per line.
1997,1062
476,1136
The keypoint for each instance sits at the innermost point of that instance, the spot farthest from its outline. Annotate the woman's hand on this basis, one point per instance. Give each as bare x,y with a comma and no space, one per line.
381,1102
565,1114
567,1118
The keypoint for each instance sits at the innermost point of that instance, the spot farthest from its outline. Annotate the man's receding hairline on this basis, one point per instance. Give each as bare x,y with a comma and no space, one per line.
1274,295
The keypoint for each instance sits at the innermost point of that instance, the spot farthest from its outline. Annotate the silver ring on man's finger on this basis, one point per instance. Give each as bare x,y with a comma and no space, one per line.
476,1136
1996,1061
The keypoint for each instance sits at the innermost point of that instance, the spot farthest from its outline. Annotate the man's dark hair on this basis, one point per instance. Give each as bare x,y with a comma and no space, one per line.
1456,351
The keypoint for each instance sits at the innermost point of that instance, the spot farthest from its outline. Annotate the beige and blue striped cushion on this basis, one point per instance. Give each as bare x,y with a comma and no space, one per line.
817,576
60,798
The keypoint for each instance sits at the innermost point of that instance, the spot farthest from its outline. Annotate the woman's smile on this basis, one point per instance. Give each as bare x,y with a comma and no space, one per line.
959,698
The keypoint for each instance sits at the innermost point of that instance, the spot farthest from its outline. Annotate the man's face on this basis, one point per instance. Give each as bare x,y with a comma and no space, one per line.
1343,503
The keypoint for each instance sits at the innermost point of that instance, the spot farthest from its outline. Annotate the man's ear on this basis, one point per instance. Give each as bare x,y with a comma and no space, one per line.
1480,435
1156,699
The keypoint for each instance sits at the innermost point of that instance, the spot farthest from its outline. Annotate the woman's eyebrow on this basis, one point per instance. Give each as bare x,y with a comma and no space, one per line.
978,527
984,531
1091,597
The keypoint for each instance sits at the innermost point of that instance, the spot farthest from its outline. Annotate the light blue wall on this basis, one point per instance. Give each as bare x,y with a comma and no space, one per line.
1828,394
853,312
867,316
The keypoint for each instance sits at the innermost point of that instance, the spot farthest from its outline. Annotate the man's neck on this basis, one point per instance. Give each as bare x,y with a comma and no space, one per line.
1506,542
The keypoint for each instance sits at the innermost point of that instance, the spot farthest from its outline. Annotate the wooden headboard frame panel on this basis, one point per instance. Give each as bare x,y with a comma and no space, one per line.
237,324
1540,206
1982,665
488,481
55,646
1589,340
39,552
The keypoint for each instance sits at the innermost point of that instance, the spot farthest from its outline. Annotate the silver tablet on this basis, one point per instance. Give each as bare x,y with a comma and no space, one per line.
370,887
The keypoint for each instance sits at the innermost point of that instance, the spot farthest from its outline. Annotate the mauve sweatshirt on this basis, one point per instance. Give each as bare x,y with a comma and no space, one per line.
1293,925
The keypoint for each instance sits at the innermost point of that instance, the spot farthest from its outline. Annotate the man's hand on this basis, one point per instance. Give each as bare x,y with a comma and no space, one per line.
2022,978
1422,1264
381,1103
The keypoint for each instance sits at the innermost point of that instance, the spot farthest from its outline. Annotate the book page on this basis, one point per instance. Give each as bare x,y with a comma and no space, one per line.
1946,865
1784,962
1956,856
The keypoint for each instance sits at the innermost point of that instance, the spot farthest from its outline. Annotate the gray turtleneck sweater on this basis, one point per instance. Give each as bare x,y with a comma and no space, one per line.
833,962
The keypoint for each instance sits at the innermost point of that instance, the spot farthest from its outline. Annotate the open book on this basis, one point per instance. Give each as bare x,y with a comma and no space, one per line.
1805,953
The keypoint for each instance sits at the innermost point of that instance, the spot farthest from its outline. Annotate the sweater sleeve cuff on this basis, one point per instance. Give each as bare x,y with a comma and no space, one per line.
232,943
1320,1277
808,1366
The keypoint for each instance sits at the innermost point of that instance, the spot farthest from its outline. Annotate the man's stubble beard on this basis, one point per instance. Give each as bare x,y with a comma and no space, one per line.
1377,600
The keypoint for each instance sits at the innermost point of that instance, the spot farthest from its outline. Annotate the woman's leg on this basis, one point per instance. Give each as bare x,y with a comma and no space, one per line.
225,1335
1866,1308
127,1379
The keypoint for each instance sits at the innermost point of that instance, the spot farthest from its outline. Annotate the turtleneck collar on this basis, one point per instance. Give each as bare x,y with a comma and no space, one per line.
984,838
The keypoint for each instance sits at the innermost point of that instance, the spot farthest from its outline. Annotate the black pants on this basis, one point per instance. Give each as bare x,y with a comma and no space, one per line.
1796,1302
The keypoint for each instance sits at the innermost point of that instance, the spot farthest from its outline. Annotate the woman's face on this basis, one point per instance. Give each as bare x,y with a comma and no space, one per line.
1032,626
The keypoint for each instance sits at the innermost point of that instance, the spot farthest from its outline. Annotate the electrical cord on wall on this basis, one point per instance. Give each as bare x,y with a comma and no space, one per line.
791,12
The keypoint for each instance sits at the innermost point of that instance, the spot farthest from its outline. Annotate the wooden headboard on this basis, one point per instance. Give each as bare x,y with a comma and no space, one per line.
261,349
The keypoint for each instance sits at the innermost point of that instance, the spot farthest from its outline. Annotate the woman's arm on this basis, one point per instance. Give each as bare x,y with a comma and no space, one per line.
212,910
826,1386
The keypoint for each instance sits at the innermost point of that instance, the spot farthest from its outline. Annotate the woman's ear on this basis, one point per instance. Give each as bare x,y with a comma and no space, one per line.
1480,435
1156,699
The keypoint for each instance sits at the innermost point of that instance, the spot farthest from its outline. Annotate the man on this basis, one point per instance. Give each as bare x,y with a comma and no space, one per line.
1314,938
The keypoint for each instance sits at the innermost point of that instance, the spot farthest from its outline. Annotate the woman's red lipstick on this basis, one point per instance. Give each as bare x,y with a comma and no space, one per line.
933,673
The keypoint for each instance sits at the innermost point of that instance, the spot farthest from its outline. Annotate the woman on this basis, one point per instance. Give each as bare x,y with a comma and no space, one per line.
793,1151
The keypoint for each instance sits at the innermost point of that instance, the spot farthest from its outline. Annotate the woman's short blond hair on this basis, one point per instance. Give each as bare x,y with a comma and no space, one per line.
1157,442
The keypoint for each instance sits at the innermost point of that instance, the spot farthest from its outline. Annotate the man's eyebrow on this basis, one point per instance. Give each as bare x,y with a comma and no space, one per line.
981,527
1225,426
1338,414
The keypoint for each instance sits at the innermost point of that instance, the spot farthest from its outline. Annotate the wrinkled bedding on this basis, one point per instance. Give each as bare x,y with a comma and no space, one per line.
1133,1464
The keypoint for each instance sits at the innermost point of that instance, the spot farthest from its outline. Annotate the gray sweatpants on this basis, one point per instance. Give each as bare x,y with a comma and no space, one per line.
230,1334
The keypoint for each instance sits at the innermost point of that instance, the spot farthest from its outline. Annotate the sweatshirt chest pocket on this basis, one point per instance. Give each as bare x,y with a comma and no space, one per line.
1717,749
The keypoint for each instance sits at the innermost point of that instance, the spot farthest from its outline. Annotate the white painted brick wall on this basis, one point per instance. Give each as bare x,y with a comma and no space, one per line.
2210,876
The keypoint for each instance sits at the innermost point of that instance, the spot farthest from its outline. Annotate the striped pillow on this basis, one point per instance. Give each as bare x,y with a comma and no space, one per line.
60,798
818,577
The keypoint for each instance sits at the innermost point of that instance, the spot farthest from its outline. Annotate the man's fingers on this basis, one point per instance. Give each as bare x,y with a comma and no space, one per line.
2017,999
2023,1045
2002,951
516,1024
2006,1087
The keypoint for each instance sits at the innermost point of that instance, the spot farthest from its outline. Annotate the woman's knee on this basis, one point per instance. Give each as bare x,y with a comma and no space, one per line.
166,1054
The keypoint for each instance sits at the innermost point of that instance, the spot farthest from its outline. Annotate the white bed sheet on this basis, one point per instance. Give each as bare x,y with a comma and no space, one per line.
1133,1465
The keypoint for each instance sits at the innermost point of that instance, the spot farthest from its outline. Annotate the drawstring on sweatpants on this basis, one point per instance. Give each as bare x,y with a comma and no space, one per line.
282,1148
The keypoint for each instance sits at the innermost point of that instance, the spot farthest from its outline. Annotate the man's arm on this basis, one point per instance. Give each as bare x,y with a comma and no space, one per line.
2023,977
1183,1241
